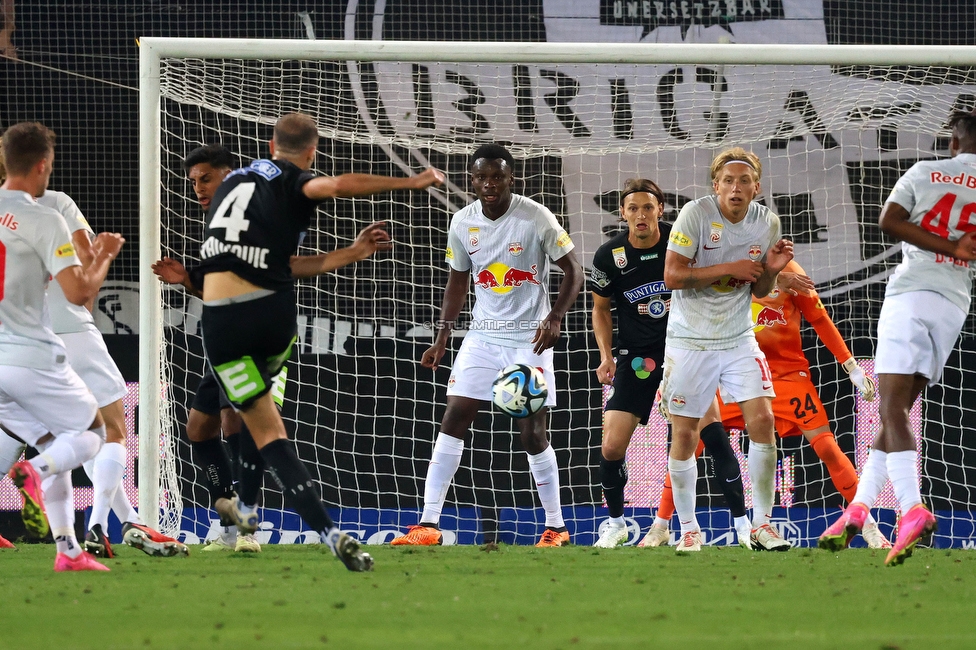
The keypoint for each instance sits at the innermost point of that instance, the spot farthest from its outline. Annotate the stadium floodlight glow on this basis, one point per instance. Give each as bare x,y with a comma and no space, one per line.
834,127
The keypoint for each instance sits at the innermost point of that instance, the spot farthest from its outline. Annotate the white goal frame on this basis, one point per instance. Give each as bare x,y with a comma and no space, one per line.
152,50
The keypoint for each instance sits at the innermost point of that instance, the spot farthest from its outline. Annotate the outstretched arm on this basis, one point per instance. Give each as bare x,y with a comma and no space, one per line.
815,313
352,185
372,238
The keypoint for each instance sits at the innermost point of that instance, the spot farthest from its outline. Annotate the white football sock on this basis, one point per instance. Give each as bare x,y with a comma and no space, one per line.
10,451
60,505
123,508
617,522
228,535
663,522
106,472
684,481
444,462
546,475
873,478
66,452
762,472
903,472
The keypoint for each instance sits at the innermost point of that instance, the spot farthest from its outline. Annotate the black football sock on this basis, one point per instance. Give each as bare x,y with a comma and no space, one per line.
212,459
251,468
613,475
301,493
234,442
727,469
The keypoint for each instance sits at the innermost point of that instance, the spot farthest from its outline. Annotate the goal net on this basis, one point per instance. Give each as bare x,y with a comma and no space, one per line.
833,126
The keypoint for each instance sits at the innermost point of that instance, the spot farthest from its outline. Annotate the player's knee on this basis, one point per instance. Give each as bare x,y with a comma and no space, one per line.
201,426
613,450
230,422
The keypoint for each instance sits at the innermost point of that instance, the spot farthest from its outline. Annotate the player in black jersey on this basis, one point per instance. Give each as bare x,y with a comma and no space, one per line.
210,413
628,272
258,218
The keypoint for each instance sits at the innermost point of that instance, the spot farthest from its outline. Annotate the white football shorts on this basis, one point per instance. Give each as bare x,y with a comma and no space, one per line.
916,332
691,377
478,363
89,357
34,402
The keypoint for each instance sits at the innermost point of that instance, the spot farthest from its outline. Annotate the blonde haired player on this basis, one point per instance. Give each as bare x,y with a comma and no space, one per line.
931,210
722,248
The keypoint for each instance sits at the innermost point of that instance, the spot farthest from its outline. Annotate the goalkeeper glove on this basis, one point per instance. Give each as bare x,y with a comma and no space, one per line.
859,378
662,406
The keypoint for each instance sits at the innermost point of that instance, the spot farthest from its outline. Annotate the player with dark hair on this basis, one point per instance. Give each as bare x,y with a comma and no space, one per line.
38,387
210,412
723,248
505,241
259,216
628,273
930,211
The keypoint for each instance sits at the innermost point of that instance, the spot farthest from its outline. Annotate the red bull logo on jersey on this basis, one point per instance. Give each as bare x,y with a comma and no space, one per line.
755,252
678,401
515,248
764,316
727,283
502,278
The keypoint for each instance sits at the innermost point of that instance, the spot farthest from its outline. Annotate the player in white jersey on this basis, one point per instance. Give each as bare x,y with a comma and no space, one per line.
505,241
37,385
722,247
91,360
931,211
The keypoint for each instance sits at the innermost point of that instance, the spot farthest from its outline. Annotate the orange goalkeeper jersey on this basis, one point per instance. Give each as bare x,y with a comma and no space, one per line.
777,328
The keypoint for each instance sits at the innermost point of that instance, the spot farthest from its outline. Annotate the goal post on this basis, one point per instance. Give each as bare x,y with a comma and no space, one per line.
834,126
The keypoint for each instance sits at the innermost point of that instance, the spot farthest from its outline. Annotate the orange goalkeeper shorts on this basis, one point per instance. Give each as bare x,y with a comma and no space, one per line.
797,407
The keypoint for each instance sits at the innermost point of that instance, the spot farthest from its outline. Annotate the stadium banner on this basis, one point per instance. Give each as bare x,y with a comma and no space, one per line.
801,526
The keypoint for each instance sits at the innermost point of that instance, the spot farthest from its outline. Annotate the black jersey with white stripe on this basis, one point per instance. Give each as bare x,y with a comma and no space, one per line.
257,219
634,279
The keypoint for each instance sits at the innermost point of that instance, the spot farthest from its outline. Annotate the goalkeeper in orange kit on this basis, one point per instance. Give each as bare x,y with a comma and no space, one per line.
797,406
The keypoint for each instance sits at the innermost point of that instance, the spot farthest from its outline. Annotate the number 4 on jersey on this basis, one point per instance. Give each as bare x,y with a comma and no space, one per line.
236,201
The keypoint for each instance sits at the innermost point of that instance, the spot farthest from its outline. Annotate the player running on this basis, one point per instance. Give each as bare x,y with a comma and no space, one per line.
930,210
628,273
722,248
505,241
259,216
38,387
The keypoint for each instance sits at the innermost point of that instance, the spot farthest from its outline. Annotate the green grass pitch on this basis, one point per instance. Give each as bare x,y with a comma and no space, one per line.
516,597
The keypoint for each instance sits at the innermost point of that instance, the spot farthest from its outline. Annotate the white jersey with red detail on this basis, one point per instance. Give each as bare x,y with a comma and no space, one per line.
509,260
35,244
719,316
66,317
940,196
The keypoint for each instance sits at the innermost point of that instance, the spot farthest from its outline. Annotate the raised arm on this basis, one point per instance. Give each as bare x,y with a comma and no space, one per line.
80,284
352,185
895,223
815,313
602,321
454,294
548,332
777,258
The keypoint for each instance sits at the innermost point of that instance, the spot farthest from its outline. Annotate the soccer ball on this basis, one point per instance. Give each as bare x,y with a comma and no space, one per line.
520,390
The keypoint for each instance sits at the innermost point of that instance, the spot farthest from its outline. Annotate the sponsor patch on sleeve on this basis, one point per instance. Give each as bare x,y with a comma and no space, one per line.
564,240
449,253
680,239
599,278
65,250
